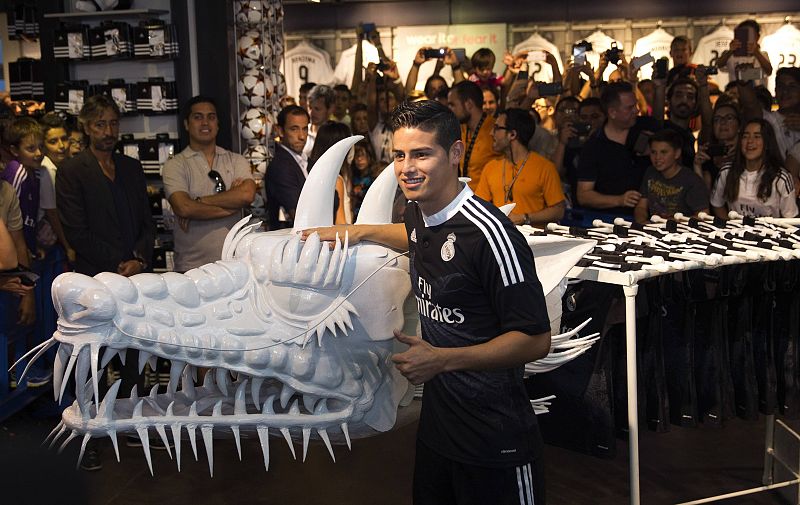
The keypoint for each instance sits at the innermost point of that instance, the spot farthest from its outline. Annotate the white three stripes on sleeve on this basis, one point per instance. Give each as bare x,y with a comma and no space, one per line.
495,233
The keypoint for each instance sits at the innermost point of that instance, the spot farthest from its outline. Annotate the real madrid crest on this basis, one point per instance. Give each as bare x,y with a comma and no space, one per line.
449,247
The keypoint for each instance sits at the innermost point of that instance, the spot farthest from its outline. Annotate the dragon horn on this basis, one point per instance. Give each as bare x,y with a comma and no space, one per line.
378,202
315,206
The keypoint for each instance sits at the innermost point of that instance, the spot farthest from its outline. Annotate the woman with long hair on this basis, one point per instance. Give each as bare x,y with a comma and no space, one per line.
722,149
755,184
363,170
328,134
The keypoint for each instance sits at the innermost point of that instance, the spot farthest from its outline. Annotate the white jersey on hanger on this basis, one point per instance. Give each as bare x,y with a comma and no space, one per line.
783,48
710,47
657,44
540,71
344,67
600,44
306,63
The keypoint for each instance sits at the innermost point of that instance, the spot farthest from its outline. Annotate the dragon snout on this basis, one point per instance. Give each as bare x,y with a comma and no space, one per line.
83,300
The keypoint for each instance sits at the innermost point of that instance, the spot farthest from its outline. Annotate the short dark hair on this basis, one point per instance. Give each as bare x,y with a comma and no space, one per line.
94,106
187,107
591,101
681,81
568,98
667,135
294,110
678,40
358,107
520,121
764,97
611,94
342,87
492,90
483,58
468,90
792,72
307,86
752,23
329,133
50,121
429,116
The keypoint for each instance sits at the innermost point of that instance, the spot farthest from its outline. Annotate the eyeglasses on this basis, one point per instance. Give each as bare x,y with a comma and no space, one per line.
568,111
725,119
219,184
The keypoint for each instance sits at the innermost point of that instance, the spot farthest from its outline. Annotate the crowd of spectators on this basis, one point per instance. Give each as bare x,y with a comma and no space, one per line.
577,146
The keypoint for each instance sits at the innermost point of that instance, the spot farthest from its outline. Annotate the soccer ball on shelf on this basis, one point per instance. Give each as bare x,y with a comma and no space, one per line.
280,85
258,157
254,88
251,12
254,125
249,49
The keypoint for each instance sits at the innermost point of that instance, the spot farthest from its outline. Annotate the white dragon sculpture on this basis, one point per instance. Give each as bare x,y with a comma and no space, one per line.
296,336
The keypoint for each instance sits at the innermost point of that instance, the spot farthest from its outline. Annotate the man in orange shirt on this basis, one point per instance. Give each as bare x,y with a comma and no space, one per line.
521,176
465,99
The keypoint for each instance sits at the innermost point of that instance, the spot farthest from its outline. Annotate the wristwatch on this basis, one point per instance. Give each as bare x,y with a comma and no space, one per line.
527,220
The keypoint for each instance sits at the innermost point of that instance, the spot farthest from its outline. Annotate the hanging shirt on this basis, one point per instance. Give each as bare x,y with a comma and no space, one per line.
600,44
783,48
710,47
657,44
344,67
306,63
540,71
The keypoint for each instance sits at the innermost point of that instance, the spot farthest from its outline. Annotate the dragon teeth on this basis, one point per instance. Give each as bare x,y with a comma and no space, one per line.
175,371
286,394
223,380
288,437
324,436
309,401
208,441
255,391
263,438
306,436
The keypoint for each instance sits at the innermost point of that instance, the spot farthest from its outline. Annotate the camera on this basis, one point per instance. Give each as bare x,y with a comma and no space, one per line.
614,55
434,53
712,70
660,68
368,28
550,89
749,74
582,129
579,51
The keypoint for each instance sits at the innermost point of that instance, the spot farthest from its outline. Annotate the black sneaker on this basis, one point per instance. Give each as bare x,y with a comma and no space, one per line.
91,461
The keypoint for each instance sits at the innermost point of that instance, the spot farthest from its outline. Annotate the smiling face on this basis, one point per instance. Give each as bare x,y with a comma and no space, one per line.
663,156
426,172
202,124
29,151
752,142
683,101
56,145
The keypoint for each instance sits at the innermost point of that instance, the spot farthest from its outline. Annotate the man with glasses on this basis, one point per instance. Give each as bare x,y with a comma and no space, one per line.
521,176
207,186
101,196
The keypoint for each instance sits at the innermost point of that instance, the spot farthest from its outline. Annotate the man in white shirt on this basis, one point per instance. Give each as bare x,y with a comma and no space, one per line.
321,106
288,170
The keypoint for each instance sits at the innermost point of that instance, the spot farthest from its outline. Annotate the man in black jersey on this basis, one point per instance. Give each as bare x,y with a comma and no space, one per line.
483,316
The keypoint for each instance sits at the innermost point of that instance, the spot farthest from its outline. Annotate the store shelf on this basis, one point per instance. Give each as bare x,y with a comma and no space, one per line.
112,14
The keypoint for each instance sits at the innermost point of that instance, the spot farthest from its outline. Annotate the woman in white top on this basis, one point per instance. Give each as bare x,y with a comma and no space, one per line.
755,184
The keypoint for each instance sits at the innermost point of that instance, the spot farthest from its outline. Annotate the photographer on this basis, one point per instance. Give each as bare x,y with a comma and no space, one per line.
413,74
745,54
723,142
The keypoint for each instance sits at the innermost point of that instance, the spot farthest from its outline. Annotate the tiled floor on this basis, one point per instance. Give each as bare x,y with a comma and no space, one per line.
681,465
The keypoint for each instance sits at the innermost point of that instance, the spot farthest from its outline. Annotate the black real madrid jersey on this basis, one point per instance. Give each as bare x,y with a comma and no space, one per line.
474,279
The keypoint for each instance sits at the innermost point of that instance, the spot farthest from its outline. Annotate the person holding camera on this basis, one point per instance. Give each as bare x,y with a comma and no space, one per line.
723,143
521,176
744,60
422,55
